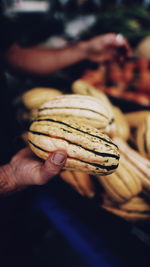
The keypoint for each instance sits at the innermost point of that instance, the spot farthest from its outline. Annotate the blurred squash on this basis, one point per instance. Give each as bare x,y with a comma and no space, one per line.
114,73
143,48
128,75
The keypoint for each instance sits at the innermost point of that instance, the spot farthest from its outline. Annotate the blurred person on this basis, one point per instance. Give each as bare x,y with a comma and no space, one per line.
24,169
42,61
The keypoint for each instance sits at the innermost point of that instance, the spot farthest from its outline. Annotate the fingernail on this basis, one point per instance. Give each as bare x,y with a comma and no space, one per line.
58,158
119,38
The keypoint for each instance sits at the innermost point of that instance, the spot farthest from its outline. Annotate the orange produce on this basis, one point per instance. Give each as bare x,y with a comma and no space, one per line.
143,83
140,98
94,76
130,65
114,73
128,75
128,72
142,64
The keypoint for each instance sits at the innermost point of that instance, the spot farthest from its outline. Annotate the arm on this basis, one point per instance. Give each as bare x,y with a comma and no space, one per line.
45,61
25,170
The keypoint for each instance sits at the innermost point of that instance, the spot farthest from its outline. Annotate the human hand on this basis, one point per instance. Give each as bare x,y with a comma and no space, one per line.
107,47
25,169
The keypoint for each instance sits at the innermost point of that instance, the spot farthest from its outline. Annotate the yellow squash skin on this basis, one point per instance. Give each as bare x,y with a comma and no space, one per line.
143,137
122,185
37,96
84,88
77,106
122,127
88,149
134,119
137,209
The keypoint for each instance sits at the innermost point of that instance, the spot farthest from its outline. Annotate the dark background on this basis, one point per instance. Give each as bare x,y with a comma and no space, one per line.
52,225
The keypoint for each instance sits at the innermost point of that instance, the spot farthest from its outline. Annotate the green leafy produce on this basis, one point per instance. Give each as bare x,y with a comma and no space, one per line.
132,22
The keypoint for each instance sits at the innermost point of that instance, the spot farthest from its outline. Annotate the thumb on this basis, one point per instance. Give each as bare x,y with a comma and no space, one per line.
51,167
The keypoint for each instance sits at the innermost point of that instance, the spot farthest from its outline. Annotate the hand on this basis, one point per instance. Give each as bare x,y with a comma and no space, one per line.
25,169
107,47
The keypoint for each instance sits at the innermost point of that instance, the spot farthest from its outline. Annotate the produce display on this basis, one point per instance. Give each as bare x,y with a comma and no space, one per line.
134,119
137,163
123,184
136,209
88,149
78,106
130,80
102,144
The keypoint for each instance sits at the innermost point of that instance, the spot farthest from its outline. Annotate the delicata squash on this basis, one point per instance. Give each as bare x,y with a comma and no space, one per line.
88,149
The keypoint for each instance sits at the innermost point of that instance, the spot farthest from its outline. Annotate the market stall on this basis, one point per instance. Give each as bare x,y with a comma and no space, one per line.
96,211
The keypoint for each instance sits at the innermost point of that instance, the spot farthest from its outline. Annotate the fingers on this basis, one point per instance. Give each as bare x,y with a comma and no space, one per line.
121,42
116,40
107,55
100,43
50,168
109,46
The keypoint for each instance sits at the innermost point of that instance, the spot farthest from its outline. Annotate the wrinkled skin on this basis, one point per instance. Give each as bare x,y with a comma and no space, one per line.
25,169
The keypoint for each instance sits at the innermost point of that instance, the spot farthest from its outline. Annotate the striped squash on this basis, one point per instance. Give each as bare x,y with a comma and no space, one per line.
137,209
84,88
143,137
78,106
122,185
88,149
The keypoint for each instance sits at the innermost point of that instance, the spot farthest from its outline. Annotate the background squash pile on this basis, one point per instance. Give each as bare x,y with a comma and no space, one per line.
124,193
